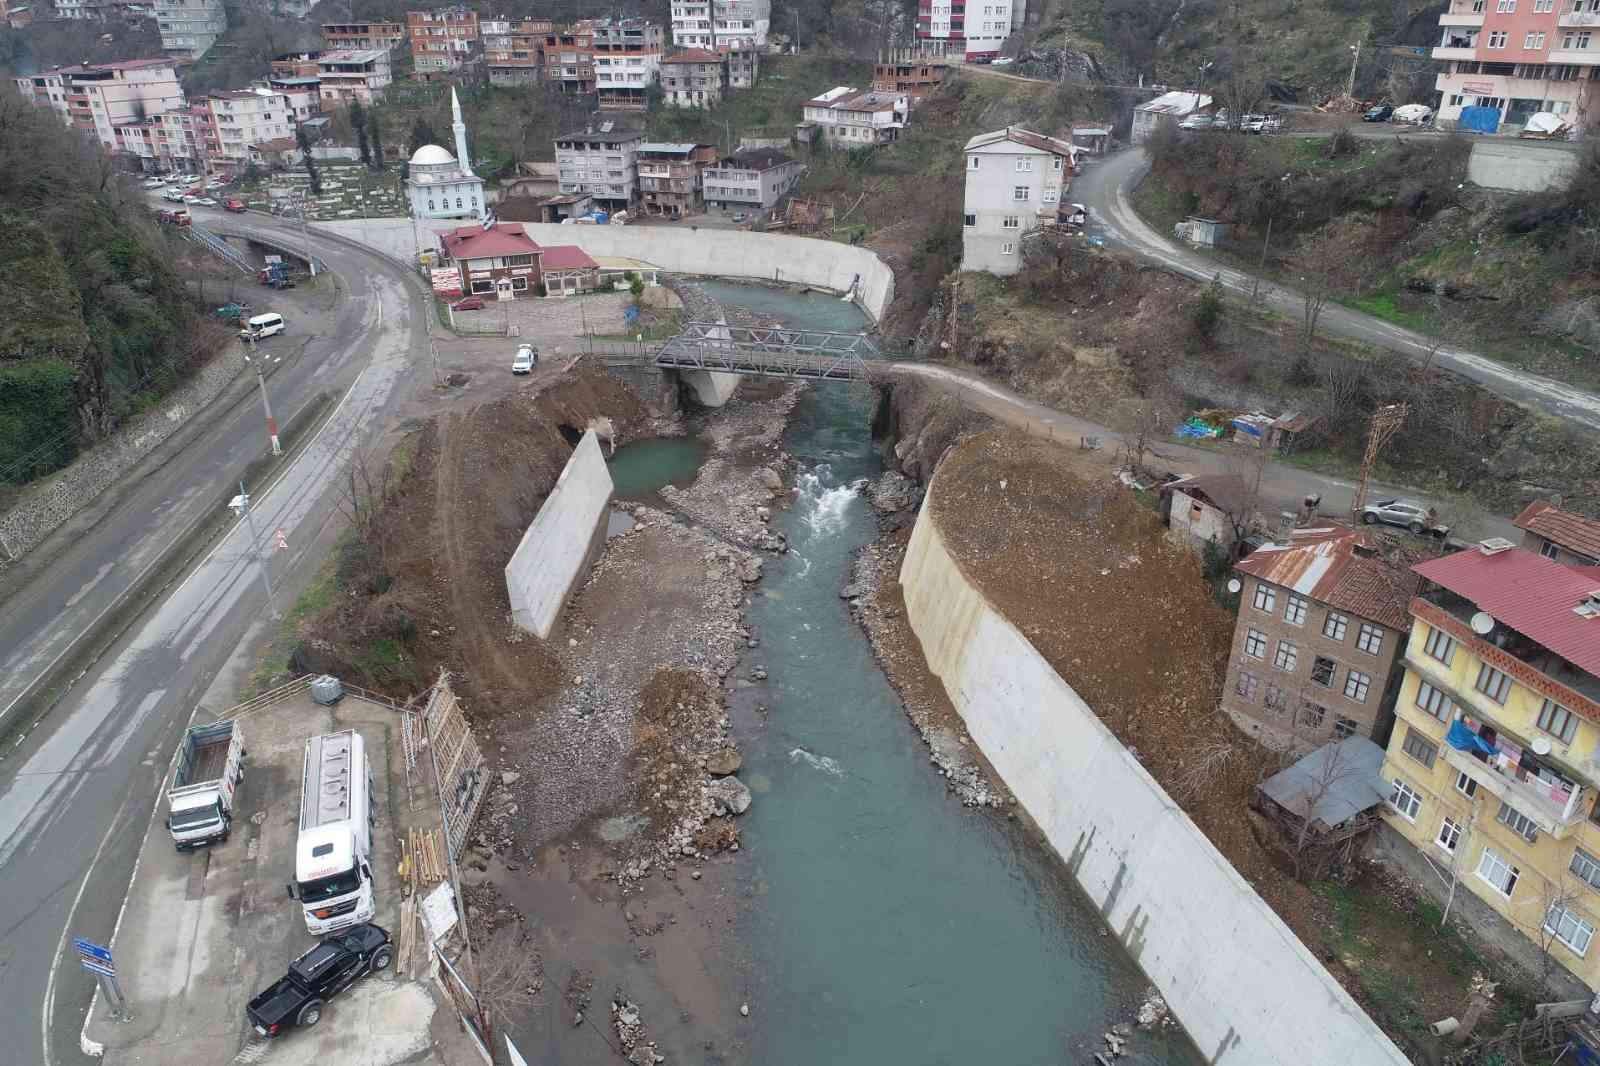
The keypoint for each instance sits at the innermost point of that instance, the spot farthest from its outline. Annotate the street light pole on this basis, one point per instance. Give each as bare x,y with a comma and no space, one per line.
241,505
266,404
1350,87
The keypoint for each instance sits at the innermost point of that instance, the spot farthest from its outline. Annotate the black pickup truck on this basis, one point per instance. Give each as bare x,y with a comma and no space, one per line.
297,997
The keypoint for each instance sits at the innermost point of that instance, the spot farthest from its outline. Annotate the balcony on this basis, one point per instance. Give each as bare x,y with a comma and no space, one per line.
1578,19
1451,52
1582,57
1464,18
1554,810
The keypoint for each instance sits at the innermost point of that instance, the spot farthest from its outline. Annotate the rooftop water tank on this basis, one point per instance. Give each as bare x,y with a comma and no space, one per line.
326,690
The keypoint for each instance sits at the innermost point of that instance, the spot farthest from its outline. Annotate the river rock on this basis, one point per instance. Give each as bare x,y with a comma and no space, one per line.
724,761
769,477
729,794
854,590
750,569
892,492
509,777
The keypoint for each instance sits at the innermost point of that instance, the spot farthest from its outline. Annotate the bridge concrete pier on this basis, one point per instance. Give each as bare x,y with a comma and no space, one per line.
712,388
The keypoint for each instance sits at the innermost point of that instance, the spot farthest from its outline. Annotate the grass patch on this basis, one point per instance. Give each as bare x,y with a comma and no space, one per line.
1386,305
317,597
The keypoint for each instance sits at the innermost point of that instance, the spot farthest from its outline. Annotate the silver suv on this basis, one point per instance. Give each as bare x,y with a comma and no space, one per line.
1417,517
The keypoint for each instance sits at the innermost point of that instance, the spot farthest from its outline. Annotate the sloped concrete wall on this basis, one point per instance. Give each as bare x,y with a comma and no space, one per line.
1245,988
557,548
1520,166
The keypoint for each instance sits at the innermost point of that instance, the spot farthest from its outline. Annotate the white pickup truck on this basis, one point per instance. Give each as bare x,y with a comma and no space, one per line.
200,801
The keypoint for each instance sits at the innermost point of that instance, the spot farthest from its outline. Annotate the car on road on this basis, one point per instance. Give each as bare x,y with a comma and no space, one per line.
235,205
1196,122
740,216
216,183
205,201
299,996
154,183
190,198
471,303
525,360
1003,61
1381,113
189,179
1415,516
172,196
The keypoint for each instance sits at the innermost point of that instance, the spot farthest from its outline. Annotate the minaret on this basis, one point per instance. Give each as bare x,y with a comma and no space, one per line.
460,128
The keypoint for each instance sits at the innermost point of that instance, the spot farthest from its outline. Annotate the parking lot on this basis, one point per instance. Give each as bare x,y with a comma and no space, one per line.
555,326
201,933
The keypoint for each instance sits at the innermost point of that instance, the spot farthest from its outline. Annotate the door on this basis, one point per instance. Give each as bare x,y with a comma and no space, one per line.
503,290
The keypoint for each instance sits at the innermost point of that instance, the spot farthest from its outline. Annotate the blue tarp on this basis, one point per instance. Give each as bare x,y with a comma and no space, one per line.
1463,739
1479,119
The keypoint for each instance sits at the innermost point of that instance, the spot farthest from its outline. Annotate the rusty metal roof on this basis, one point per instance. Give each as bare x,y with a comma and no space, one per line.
1347,569
1574,532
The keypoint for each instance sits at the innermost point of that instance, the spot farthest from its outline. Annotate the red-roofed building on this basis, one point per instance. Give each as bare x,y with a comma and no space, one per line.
1560,535
1494,763
501,261
568,269
1322,621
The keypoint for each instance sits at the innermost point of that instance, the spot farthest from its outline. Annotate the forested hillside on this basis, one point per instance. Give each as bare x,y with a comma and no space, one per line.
94,320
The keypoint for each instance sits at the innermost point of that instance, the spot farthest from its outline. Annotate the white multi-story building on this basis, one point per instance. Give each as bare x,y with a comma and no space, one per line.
719,24
851,118
1542,56
750,180
244,117
969,30
190,27
627,61
352,75
1015,182
600,162
103,96
691,24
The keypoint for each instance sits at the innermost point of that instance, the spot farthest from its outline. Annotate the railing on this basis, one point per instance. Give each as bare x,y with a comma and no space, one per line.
792,353
1553,810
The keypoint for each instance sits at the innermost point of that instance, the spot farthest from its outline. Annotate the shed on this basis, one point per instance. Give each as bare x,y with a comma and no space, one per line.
1200,509
1331,786
1207,232
1289,431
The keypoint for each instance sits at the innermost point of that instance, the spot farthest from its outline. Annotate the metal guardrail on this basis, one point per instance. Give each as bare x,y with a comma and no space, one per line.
221,248
269,698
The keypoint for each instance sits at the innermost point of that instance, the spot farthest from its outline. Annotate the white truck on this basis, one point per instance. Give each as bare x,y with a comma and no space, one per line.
333,855
200,801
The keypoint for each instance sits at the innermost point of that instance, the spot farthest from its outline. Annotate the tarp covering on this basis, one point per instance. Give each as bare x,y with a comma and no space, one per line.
1543,122
1413,113
1479,119
1463,739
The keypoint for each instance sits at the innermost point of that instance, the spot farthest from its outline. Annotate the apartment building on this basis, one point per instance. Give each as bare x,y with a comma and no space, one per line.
627,60
906,71
1568,538
304,95
361,36
1519,57
189,27
352,75
744,65
101,97
750,180
968,31
1015,183
1492,768
600,162
669,177
294,65
245,117
850,118
691,25
513,49
569,58
1322,624
442,40
721,24
694,77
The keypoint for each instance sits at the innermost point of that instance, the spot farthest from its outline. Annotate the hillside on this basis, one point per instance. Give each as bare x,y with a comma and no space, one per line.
94,317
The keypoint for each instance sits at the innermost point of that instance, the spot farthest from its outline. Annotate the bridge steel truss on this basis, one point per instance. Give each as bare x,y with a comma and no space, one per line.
817,354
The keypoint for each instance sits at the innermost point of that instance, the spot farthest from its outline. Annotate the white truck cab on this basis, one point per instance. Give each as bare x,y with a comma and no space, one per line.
333,854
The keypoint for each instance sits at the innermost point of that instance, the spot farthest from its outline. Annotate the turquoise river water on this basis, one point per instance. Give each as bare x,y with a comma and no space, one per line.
888,924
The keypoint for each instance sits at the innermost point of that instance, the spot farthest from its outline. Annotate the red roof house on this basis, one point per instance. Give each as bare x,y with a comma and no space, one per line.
501,260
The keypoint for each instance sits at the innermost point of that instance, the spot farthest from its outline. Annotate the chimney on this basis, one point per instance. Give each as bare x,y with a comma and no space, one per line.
1285,526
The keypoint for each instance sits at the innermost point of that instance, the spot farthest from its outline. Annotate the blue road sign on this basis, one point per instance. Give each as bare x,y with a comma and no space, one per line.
104,969
91,950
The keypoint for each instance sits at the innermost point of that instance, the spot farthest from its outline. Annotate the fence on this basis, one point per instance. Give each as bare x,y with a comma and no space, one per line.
218,246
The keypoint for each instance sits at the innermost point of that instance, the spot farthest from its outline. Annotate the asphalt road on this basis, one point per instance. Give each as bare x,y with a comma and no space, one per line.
1105,187
76,791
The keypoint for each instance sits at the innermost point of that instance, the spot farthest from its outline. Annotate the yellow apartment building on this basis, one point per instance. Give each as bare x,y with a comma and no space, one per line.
1494,764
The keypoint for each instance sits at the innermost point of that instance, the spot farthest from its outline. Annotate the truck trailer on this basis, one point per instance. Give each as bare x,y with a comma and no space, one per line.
200,801
333,855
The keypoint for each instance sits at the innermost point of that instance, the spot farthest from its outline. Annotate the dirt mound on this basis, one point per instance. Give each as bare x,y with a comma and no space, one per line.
678,710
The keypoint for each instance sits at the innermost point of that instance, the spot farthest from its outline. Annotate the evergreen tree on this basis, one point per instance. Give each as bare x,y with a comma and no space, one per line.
358,122
421,134
375,137
304,143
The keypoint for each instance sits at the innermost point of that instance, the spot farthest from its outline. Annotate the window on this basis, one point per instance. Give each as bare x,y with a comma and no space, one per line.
969,220
1050,196
1008,249
1288,655
518,260
1266,598
1549,549
1586,866
1357,685
519,284
1312,715
1569,928
430,205
1449,835
1255,643
1434,702
1497,39
1558,721
1466,785
1370,639
1493,683
1322,671
1517,822
1495,870
1575,40
1277,698
1294,611
1541,7
1505,7
1011,222
1247,686
1440,645
1404,799
1420,748
1334,625
1019,192
1345,727
1024,166
1533,41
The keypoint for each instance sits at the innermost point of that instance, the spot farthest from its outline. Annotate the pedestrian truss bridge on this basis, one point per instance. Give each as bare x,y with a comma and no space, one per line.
815,354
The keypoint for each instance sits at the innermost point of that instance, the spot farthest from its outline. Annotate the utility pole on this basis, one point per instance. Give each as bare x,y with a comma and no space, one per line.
240,505
797,31
1350,87
266,404
1386,422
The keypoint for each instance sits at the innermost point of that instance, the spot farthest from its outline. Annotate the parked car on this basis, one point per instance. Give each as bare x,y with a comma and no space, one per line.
1003,61
154,183
190,179
235,205
471,303
525,360
177,217
1417,517
190,198
172,196
216,183
739,216
1196,122
298,997
205,201
1381,113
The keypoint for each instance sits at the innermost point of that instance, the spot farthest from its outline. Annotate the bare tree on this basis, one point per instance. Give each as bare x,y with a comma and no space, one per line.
510,977
1555,900
1204,765
1238,85
1242,507
1150,425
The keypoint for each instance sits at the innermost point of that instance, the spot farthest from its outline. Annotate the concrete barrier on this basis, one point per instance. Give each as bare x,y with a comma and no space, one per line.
711,387
1239,980
564,537
1521,166
683,249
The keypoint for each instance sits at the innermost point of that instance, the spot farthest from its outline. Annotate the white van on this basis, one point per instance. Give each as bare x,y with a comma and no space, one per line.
261,326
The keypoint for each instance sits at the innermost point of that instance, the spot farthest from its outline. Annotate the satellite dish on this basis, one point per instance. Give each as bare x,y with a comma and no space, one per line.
1482,623
1540,746
1234,585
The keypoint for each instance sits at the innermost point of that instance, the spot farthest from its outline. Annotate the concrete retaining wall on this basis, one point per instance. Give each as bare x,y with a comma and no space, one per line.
1520,166
684,249
557,548
1245,988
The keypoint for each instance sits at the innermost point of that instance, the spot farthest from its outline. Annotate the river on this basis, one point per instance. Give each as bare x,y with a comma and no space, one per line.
888,923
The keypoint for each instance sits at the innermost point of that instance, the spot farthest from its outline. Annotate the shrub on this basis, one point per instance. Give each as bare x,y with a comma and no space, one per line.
1207,313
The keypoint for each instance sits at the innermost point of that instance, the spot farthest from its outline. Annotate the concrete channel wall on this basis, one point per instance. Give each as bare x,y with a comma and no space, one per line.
1242,984
557,548
1521,166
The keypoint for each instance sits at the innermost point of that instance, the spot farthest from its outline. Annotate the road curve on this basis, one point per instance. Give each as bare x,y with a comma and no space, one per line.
72,788
1106,187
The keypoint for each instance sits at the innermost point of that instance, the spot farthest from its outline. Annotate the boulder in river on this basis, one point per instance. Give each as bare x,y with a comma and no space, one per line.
769,477
724,761
729,794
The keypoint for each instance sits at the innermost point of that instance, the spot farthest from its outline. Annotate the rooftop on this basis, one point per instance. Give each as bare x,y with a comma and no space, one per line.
1574,532
1344,568
835,93
1535,596
693,55
756,159
351,55
475,242
661,148
1176,103
565,257
603,136
1026,138
1337,782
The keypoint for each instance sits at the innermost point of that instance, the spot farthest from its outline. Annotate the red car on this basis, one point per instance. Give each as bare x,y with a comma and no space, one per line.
471,303
236,206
